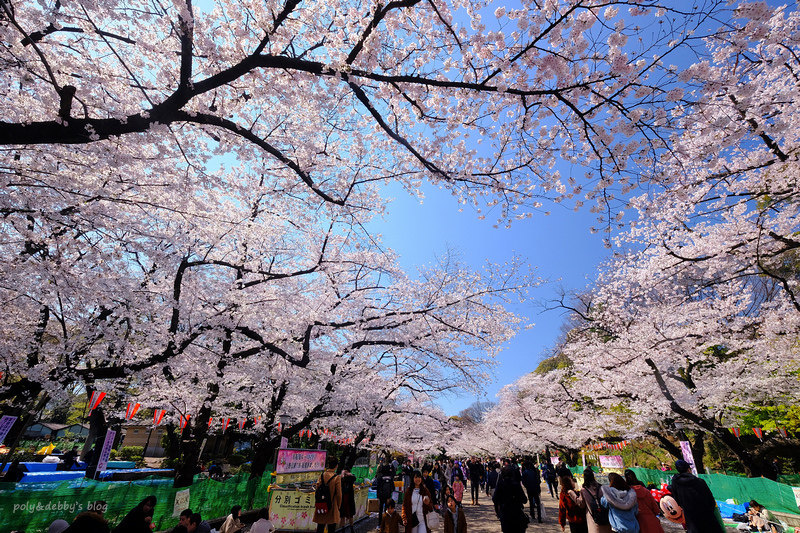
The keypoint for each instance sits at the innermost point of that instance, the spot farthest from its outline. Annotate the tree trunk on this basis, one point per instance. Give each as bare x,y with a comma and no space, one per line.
263,453
699,452
25,418
97,432
189,448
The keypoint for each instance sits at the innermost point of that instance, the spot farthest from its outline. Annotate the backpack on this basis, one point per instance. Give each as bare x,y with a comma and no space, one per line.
322,496
599,514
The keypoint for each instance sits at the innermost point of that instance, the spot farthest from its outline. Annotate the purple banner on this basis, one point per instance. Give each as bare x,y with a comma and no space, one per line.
687,455
105,453
6,423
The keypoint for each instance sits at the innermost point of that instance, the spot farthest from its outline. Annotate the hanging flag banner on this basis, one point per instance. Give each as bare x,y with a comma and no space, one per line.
686,449
736,432
225,422
6,423
210,418
759,433
95,399
184,421
130,412
782,431
105,451
158,416
241,424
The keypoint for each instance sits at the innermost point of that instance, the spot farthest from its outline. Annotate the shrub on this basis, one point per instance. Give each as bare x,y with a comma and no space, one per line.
130,453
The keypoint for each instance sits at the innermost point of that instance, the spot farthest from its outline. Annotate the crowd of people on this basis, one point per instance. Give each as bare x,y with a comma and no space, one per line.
624,505
436,493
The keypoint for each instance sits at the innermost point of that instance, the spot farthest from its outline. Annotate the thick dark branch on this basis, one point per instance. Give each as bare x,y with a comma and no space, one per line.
380,14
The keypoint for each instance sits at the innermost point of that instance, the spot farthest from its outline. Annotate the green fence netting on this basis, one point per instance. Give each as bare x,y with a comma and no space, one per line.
364,472
771,494
31,507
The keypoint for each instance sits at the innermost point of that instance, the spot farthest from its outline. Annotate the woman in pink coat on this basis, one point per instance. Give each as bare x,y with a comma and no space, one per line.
648,508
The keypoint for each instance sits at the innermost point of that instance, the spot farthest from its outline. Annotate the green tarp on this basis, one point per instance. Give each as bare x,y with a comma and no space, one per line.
31,507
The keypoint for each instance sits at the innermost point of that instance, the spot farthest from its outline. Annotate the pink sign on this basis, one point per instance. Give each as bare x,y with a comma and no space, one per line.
611,461
291,461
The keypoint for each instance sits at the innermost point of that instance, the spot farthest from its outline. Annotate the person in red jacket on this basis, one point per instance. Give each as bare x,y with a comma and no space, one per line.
570,510
648,508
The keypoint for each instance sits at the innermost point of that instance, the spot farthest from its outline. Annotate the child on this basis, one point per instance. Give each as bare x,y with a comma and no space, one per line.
391,519
458,488
454,519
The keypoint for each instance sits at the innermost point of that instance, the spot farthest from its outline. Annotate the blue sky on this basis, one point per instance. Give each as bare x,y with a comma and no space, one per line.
559,245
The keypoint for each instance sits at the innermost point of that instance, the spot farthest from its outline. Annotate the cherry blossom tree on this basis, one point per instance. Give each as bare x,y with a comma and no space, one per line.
693,322
334,97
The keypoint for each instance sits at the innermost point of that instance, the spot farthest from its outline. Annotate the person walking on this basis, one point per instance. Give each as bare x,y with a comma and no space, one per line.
596,514
458,488
454,519
532,482
385,488
391,520
696,500
510,500
476,474
570,510
620,500
334,483
648,508
347,510
492,477
417,503
551,479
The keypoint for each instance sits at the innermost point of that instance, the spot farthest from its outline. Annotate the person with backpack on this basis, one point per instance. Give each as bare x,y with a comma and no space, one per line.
596,514
385,488
648,508
328,498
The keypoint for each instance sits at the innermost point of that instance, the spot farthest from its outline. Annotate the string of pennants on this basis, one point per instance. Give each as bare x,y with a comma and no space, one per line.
158,417
759,432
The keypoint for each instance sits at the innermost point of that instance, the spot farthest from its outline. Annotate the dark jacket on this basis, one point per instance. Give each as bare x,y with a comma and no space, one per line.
476,471
510,500
531,480
385,482
697,502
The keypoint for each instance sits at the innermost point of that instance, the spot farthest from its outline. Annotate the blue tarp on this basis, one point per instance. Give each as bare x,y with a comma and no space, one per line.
151,471
728,509
40,477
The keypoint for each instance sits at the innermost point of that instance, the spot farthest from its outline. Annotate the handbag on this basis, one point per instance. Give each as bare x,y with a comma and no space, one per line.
433,520
414,520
